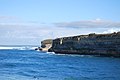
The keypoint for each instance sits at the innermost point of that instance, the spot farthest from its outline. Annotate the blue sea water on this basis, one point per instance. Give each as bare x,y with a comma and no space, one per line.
28,64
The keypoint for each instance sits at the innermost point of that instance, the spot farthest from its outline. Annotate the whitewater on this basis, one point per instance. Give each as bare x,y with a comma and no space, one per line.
17,47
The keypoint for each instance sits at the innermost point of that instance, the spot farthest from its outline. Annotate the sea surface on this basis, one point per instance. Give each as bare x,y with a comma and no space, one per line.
24,63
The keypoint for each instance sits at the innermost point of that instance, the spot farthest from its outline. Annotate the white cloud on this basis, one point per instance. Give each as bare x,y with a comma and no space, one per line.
22,34
98,19
7,17
112,30
33,33
98,23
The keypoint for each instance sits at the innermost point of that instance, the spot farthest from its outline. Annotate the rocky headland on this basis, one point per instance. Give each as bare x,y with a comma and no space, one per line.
45,45
91,44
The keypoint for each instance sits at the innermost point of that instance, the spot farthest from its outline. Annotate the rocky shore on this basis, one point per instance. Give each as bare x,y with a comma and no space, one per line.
92,44
45,45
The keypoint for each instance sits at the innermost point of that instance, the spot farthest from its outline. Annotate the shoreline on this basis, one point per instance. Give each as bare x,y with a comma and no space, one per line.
91,44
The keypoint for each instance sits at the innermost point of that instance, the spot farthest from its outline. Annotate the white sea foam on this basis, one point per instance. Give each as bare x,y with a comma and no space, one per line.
17,48
50,52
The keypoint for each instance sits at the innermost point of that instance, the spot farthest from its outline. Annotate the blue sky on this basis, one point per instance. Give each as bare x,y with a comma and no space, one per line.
30,21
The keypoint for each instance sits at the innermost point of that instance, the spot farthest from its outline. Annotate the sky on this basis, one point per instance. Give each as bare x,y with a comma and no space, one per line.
27,22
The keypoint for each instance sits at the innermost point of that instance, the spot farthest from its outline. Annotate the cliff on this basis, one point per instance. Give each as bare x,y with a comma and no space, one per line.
92,44
46,44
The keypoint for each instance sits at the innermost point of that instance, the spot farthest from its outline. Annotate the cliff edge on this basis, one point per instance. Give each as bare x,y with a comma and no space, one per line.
46,44
92,44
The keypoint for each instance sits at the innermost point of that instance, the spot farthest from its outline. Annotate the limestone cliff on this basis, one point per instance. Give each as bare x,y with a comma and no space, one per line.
46,44
92,44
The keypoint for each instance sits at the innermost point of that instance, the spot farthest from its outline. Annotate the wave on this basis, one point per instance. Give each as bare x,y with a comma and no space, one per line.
50,52
17,47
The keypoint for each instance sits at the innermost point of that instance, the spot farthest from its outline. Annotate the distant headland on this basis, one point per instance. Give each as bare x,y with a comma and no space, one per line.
91,44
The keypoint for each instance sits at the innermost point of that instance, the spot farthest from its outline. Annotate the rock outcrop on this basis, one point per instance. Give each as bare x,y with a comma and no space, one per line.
46,44
92,44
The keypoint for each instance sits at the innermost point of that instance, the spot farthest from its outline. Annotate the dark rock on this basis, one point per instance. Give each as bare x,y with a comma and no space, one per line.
92,44
40,49
36,48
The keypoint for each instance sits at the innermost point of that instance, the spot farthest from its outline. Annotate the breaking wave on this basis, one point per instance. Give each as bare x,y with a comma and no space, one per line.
18,47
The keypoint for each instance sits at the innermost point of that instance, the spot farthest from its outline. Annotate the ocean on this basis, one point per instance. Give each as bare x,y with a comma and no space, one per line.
24,63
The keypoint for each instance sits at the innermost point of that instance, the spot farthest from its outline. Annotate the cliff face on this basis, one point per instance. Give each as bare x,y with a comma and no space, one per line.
46,44
92,44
